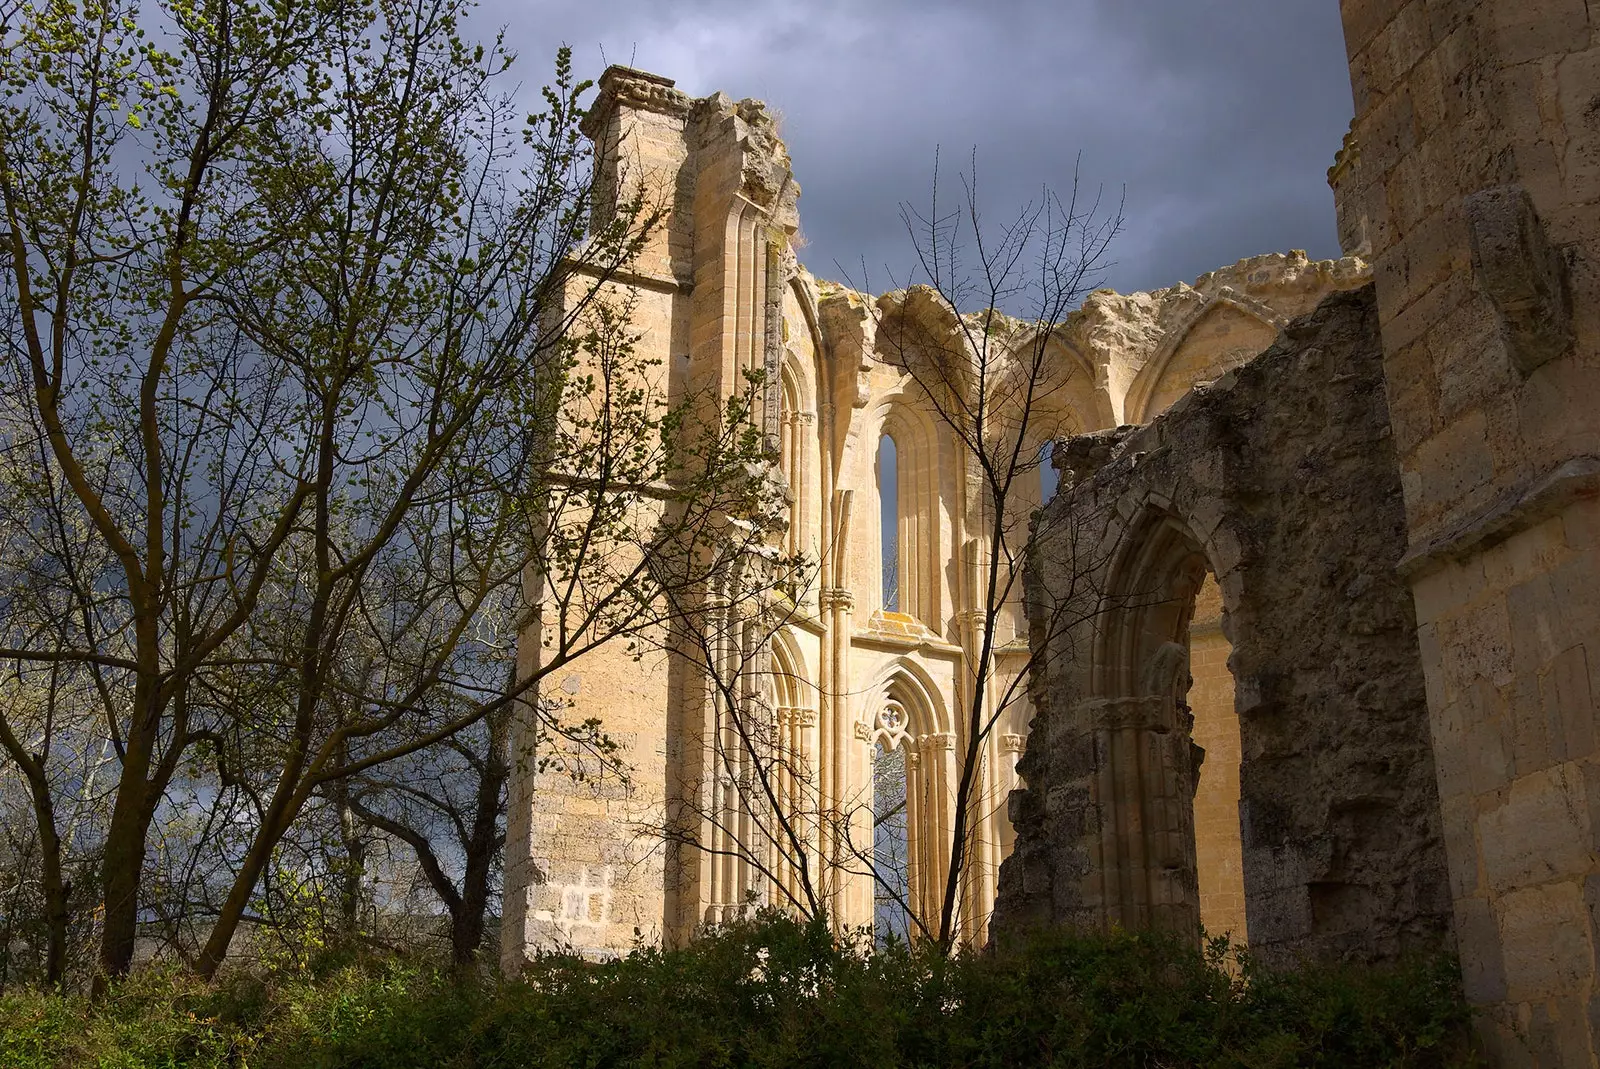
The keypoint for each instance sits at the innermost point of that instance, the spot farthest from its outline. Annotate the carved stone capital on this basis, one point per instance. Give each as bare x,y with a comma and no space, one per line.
796,715
836,598
1011,742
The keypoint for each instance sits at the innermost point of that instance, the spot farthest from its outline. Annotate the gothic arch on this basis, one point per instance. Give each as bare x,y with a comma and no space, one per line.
1157,570
1133,702
920,500
805,371
907,682
799,447
1073,401
792,686
1143,391
906,711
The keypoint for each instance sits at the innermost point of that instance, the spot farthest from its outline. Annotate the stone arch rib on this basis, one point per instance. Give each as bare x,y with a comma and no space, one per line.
1143,390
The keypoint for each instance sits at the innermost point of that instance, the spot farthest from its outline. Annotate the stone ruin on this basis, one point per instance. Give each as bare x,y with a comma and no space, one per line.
1339,695
1277,483
1399,502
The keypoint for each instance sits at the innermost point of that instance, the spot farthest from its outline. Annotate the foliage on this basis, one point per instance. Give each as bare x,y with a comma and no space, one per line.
775,992
314,395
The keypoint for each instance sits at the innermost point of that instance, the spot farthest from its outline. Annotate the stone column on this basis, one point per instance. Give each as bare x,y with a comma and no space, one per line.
832,759
1478,177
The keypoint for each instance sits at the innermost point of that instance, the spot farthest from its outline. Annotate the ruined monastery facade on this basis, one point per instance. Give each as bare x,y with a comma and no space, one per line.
859,670
1345,519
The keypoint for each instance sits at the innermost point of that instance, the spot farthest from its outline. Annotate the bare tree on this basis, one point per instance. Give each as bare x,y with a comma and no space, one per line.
976,335
994,384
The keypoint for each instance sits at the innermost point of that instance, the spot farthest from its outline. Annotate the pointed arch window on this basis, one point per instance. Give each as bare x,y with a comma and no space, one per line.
891,830
889,521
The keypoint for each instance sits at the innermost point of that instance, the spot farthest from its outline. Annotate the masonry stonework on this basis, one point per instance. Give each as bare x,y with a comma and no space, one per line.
1278,482
1476,175
1338,695
719,291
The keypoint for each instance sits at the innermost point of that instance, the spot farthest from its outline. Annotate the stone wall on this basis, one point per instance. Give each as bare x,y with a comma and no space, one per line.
1280,481
1476,172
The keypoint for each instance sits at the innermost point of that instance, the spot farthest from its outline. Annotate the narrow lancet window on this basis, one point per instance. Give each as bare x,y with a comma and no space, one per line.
891,846
891,828
889,521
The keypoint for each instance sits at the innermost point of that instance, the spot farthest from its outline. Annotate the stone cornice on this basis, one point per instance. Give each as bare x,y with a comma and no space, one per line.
625,87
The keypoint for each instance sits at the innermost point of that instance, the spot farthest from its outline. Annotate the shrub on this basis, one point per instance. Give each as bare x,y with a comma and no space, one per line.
773,992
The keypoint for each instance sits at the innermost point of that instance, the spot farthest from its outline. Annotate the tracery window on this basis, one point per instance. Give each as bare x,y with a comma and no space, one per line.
891,843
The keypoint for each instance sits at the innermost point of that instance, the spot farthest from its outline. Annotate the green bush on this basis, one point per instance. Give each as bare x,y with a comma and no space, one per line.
771,992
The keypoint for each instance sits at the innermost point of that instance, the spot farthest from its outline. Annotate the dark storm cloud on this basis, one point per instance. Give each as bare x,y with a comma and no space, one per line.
1219,119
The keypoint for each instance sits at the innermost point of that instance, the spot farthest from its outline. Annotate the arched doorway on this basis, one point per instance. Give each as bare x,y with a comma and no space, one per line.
1161,702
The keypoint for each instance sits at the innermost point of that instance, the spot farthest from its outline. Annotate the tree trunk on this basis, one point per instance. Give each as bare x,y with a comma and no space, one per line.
57,891
466,930
268,835
467,922
121,868
123,864
355,856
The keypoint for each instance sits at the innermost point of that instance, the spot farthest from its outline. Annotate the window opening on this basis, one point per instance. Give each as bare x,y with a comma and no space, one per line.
1049,478
891,838
889,521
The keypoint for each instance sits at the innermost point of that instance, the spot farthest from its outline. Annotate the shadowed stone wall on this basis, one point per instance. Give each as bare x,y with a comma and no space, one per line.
1280,481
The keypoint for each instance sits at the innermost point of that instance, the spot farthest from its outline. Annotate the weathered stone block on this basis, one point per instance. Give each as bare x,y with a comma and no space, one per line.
1522,275
1530,30
1541,833
1459,819
1477,642
1545,939
1483,973
1452,465
1568,705
1577,80
1487,737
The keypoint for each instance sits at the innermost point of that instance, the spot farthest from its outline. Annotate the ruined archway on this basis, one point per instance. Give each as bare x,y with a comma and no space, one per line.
1295,509
1156,866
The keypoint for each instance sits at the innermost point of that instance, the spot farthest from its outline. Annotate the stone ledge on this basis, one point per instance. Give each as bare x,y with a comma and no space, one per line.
1513,511
624,277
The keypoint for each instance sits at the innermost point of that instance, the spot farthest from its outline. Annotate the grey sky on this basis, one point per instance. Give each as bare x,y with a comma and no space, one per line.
1220,118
